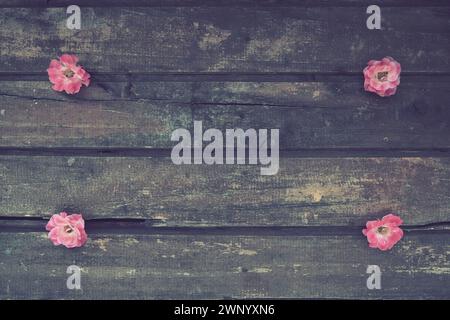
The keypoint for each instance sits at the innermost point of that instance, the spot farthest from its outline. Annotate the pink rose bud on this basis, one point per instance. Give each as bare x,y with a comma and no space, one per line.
382,77
67,230
384,233
66,75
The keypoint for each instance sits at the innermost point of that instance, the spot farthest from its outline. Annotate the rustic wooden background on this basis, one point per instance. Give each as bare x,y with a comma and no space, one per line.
163,231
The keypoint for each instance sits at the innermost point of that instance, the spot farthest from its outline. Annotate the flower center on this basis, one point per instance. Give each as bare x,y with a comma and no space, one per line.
382,76
69,73
68,229
382,230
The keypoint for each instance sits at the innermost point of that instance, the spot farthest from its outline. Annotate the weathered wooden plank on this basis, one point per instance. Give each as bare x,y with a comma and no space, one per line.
270,39
39,117
226,3
143,114
216,267
306,191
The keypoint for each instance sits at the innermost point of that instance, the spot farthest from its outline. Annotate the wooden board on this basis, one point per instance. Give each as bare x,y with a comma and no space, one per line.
143,114
160,231
218,39
216,267
215,3
304,192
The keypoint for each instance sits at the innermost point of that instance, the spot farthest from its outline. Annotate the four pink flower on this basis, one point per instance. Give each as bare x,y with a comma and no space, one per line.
381,77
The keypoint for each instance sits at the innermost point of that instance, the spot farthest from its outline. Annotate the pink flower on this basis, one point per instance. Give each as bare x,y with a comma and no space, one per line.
384,233
382,77
66,75
67,230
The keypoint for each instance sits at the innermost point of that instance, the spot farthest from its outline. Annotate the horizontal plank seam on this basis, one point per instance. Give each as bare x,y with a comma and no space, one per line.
191,104
225,76
146,227
180,103
137,152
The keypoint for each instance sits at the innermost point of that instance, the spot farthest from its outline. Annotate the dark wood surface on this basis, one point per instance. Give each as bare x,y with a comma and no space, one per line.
218,266
333,114
221,3
306,191
163,231
226,39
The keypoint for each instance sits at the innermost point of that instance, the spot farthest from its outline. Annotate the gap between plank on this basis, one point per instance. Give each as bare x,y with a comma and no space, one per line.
137,152
148,227
228,76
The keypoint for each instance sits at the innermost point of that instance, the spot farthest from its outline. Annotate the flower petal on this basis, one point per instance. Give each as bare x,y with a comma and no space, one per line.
392,219
69,59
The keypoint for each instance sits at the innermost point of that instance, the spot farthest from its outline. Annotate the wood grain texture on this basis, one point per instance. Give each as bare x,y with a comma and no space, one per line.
163,231
143,114
226,3
217,39
39,117
341,192
216,267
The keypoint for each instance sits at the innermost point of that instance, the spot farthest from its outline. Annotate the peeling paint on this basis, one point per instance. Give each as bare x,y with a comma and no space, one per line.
70,161
130,242
244,252
213,37
102,243
261,270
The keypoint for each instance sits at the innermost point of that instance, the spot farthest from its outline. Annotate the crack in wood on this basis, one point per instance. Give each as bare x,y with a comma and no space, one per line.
11,224
284,153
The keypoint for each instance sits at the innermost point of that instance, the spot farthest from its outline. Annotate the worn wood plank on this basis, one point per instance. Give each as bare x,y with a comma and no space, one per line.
306,191
143,114
39,117
226,3
215,39
216,267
